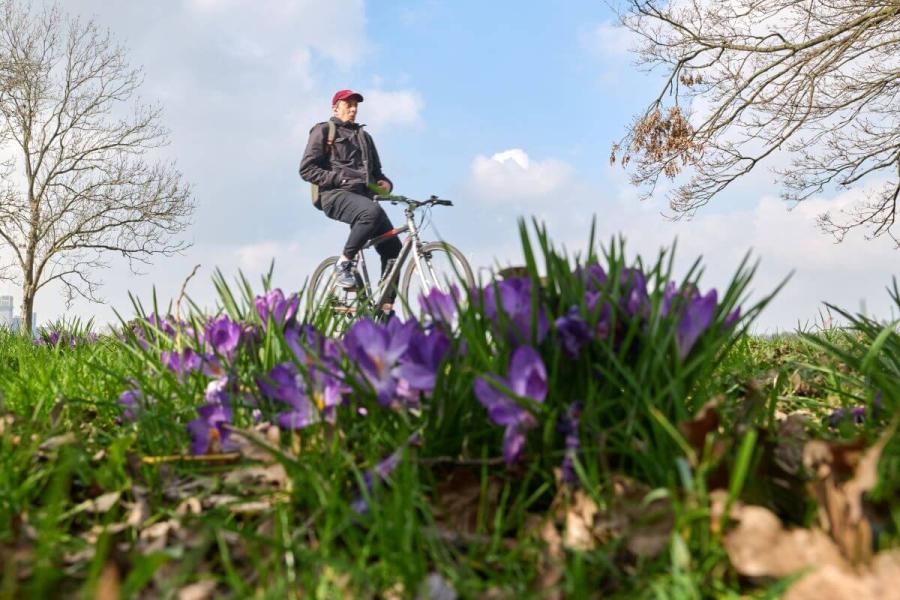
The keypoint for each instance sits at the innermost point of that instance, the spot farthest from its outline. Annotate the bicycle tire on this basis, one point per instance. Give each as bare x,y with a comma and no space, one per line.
314,301
465,271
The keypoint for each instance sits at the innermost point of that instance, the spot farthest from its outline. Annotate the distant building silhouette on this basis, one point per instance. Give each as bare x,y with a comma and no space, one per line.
9,321
6,311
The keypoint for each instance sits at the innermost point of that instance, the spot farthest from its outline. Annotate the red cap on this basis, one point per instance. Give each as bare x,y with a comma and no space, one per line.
344,95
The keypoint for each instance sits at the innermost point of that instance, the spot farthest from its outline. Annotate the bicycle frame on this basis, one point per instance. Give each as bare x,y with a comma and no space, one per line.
387,288
411,243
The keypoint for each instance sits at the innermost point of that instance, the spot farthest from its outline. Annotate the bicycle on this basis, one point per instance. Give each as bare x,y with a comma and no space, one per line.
437,264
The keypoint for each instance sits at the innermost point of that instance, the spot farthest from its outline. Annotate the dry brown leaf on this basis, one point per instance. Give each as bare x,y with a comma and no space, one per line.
878,581
6,422
156,537
457,500
579,523
273,476
100,504
258,442
109,586
138,512
217,500
201,590
250,507
334,584
842,474
704,422
189,506
551,563
760,547
651,532
792,438
57,441
395,592
646,527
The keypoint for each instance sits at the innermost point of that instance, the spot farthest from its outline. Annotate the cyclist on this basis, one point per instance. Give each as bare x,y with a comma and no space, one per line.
342,161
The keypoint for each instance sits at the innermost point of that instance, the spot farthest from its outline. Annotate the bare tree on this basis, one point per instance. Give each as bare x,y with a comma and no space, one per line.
80,181
814,81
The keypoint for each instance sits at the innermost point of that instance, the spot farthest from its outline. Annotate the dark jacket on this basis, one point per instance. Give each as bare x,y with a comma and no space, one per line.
351,165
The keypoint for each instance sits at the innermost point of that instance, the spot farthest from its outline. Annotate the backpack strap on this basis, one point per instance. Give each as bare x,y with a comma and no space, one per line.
329,146
329,141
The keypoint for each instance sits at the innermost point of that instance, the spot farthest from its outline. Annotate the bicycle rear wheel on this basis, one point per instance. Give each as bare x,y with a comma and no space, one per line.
443,265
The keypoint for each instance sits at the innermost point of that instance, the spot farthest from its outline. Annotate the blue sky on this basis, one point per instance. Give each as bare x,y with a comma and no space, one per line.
508,108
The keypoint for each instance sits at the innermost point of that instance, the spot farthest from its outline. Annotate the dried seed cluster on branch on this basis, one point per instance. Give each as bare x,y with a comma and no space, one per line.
816,82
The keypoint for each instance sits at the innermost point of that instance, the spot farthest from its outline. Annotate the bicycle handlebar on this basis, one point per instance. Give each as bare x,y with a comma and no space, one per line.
432,201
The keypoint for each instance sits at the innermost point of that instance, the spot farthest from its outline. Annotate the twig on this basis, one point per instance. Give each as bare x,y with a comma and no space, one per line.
182,294
226,457
438,460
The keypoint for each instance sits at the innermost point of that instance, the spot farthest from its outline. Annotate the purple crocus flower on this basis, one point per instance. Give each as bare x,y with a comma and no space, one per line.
209,432
284,385
251,333
568,426
857,414
381,472
440,306
418,369
218,391
634,299
732,318
163,324
311,347
274,304
512,297
223,336
376,349
604,318
130,400
527,378
696,318
573,331
593,275
675,297
211,366
181,363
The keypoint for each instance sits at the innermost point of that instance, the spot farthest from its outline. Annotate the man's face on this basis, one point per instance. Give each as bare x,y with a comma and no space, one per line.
345,110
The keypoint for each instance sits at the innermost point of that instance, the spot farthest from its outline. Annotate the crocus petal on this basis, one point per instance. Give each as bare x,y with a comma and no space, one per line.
501,409
527,374
299,418
417,376
696,319
440,306
513,444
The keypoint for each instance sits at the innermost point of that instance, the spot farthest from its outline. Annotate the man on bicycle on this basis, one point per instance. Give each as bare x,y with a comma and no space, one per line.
341,160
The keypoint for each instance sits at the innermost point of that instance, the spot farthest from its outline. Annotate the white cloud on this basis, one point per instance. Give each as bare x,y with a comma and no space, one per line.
849,275
512,176
382,109
336,29
607,41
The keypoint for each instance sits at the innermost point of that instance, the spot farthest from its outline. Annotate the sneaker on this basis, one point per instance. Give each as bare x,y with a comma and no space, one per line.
345,277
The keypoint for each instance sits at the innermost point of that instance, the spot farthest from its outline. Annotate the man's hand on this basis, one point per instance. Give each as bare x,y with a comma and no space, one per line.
385,185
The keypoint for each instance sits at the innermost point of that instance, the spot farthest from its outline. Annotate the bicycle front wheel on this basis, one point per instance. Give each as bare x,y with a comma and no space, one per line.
442,265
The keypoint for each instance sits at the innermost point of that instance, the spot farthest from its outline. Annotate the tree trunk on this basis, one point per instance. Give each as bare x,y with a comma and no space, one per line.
27,308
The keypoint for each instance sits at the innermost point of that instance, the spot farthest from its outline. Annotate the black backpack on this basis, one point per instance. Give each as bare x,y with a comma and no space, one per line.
329,143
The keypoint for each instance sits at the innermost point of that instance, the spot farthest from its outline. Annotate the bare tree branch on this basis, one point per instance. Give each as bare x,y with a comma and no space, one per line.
816,81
